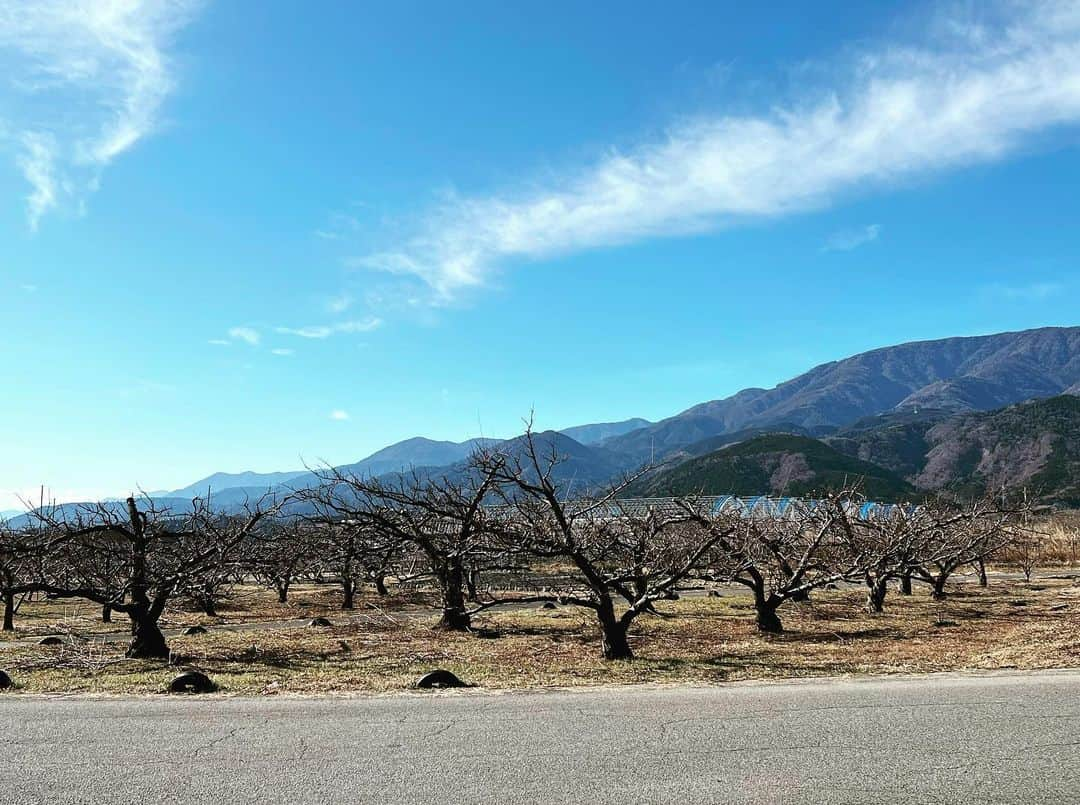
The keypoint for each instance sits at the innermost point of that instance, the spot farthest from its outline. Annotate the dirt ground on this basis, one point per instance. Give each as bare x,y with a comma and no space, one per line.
259,647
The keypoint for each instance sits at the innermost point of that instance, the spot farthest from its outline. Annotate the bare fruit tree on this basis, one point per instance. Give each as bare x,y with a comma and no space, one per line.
782,557
24,552
889,539
441,517
622,556
136,557
285,550
955,534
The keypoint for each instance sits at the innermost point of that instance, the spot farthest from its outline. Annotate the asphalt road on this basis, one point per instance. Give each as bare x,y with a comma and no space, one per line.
1002,738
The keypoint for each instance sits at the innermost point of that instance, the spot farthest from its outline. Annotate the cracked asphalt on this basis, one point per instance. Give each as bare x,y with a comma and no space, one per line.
945,738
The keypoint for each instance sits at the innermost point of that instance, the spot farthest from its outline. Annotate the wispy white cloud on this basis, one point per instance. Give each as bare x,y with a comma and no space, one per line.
283,352
37,165
327,330
973,89
338,415
340,303
850,239
1029,292
249,335
85,82
220,342
339,226
28,287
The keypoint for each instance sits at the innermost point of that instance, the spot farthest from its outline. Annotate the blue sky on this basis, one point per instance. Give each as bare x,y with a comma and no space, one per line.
246,240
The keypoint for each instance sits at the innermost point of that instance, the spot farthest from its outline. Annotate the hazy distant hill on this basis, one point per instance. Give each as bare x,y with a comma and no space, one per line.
229,488
594,434
979,373
582,468
777,464
894,407
119,507
416,452
227,480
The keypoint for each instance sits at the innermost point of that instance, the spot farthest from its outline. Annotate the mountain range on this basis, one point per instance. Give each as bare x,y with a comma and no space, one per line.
953,374
911,417
774,464
417,453
1033,445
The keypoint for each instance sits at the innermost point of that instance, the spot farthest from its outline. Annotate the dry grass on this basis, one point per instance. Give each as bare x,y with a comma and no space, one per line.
1009,625
240,605
1056,544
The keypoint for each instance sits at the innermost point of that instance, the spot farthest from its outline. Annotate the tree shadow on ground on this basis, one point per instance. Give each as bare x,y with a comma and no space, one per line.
737,665
836,635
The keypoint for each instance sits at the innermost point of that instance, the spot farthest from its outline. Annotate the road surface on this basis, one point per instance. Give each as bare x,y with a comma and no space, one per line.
1001,738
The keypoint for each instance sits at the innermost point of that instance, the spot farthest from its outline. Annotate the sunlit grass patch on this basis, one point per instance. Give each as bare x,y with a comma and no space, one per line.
694,640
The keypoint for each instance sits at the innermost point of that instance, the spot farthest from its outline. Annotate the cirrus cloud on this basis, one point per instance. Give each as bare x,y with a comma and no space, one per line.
249,335
327,330
85,83
974,89
851,239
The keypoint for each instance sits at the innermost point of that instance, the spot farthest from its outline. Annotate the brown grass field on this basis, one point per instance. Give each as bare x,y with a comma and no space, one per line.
385,644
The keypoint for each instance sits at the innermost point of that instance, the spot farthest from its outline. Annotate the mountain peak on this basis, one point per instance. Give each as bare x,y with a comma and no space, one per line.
962,373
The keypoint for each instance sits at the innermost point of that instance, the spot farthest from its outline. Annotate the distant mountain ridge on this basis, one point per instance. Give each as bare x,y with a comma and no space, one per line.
415,453
883,407
1034,444
582,468
595,434
954,374
774,464
229,480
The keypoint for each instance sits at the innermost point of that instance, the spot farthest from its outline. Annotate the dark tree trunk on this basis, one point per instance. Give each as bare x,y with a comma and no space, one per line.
9,612
801,595
147,641
455,617
106,613
471,579
282,588
380,585
875,595
613,633
938,592
348,591
980,567
905,584
206,604
767,619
